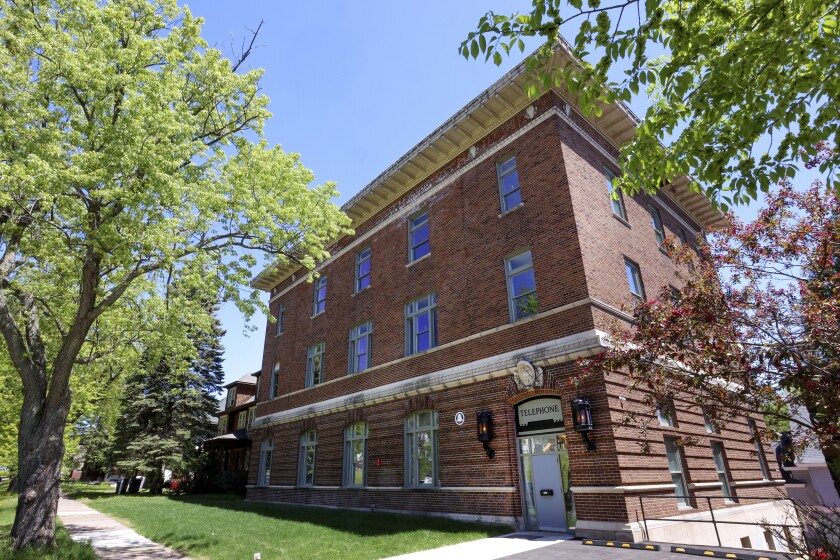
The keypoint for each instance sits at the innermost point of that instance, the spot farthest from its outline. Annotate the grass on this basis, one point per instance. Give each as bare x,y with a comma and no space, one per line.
217,527
66,548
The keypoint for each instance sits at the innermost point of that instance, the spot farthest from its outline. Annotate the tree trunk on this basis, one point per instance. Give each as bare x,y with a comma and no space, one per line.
41,450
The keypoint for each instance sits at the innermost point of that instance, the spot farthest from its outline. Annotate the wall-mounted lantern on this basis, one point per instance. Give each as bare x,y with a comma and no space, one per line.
582,417
484,422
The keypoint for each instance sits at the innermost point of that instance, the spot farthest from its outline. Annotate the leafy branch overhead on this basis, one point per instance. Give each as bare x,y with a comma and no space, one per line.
740,90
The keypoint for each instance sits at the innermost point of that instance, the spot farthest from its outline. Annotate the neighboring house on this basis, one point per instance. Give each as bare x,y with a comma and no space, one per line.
428,366
812,483
232,447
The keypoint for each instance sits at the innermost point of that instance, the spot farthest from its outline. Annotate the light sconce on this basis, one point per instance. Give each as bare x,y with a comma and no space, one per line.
582,417
484,422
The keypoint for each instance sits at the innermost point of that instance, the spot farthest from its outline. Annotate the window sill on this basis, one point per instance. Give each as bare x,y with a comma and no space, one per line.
514,209
622,220
278,334
421,488
663,251
318,314
424,257
685,508
354,294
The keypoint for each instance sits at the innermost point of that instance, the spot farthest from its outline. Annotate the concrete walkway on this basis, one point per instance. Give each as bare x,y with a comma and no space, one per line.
111,540
489,549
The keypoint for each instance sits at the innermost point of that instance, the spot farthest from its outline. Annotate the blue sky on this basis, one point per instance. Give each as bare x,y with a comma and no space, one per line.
353,86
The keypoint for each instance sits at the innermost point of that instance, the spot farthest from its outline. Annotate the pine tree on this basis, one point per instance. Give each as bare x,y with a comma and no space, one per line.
168,407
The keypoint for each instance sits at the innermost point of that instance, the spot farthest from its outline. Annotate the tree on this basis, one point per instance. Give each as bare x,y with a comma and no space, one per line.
131,159
756,325
741,90
168,406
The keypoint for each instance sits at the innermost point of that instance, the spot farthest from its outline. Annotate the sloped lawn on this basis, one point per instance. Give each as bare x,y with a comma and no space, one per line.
217,527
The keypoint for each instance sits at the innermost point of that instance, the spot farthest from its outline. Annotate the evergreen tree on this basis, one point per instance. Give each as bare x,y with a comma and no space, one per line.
168,407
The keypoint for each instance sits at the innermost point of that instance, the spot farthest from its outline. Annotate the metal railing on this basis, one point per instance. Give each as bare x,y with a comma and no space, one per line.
715,522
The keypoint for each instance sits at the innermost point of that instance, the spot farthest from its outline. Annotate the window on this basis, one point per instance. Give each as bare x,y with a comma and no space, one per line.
616,198
522,287
223,421
657,225
315,364
681,234
355,454
634,278
275,381
421,324
759,450
242,420
421,460
362,269
231,397
509,183
266,451
711,428
665,412
252,412
306,463
721,469
675,465
281,318
360,339
418,236
320,303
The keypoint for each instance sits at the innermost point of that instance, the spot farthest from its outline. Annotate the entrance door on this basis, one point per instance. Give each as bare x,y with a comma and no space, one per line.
548,492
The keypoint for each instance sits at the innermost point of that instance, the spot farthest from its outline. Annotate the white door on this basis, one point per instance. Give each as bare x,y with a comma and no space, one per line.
548,492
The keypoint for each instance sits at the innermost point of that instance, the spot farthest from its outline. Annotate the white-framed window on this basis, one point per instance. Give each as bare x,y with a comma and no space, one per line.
418,236
721,469
759,449
319,303
252,413
665,411
306,461
315,364
264,472
242,420
421,324
675,466
355,454
521,286
509,191
223,422
281,318
616,197
275,381
363,269
708,422
361,337
231,397
421,449
634,279
658,229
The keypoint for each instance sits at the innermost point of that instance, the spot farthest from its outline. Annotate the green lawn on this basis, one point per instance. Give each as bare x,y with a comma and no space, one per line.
217,527
66,549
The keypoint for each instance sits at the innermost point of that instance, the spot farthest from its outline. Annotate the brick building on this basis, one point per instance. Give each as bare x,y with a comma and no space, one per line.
484,263
231,448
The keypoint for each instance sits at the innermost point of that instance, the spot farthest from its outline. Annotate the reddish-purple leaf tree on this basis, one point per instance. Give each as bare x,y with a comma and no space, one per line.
755,325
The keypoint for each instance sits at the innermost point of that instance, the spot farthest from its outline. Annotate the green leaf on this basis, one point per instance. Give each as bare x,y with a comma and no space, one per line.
474,48
497,58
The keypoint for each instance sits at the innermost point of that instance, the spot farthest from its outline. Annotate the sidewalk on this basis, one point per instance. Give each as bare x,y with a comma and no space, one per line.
111,540
489,549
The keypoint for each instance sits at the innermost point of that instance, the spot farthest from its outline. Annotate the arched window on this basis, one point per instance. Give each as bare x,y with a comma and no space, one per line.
306,461
264,472
355,454
421,449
